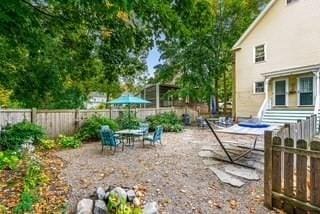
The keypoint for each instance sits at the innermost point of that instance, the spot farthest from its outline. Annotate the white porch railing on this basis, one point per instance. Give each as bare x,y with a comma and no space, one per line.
317,98
265,105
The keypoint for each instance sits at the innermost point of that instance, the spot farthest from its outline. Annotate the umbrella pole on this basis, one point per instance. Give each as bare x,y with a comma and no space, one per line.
129,116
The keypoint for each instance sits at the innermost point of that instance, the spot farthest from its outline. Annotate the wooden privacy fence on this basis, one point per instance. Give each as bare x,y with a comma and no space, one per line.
67,122
292,168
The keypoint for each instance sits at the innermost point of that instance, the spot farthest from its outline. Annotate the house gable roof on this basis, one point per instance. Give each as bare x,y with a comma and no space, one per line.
254,24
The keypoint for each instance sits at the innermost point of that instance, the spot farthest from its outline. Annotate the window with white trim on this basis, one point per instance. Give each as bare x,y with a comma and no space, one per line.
260,53
259,87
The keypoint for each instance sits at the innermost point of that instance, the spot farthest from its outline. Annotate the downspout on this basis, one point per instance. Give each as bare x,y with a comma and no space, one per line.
266,98
317,100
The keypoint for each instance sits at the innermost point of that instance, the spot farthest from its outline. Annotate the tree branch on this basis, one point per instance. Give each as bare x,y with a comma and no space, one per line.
39,10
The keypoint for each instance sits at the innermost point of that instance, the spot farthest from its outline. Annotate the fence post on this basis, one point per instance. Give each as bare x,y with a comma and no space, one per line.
315,176
34,115
268,169
77,119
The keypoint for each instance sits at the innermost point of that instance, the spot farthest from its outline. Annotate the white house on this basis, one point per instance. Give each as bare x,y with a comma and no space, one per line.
96,99
277,63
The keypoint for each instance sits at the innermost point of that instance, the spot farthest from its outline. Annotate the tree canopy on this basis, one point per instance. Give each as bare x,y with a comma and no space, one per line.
54,52
199,56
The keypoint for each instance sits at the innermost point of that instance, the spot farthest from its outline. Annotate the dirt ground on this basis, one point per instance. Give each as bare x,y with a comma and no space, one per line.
173,174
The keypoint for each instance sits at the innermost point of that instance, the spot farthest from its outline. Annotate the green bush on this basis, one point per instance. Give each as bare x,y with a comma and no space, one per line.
9,160
126,122
69,142
168,120
17,134
91,128
48,144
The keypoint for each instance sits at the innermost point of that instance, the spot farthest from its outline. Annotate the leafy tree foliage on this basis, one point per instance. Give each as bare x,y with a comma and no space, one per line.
54,52
199,55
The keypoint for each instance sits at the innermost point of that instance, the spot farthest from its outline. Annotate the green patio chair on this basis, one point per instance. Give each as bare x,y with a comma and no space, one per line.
108,138
155,138
144,127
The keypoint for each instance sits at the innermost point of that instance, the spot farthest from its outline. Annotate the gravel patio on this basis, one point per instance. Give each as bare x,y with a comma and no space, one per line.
173,174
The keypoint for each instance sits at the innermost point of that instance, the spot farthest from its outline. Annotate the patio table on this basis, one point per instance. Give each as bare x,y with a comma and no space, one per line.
129,134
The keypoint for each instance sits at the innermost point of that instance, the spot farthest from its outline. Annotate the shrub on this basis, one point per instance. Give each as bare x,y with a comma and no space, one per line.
90,129
17,134
168,120
69,142
48,144
128,123
9,160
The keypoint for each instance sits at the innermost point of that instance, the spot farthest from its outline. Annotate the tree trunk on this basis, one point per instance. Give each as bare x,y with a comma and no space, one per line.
224,93
216,87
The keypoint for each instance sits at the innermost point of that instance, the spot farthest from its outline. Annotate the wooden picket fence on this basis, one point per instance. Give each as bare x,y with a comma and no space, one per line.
292,168
67,122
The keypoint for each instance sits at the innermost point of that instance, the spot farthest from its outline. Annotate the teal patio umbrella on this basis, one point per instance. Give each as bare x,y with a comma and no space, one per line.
128,99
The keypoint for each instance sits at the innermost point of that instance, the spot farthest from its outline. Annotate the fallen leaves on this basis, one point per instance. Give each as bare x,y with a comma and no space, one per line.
11,185
52,193
233,204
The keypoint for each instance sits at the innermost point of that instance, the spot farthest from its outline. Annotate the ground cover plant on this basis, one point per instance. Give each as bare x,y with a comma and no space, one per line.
69,142
48,144
9,160
32,181
168,120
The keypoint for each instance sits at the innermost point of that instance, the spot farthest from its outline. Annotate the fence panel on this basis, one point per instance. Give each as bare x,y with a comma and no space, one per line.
57,122
293,168
67,122
8,117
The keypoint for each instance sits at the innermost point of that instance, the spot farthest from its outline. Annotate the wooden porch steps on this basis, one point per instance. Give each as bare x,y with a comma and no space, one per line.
282,116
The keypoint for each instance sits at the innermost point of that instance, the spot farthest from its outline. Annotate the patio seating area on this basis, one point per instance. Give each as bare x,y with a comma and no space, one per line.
173,174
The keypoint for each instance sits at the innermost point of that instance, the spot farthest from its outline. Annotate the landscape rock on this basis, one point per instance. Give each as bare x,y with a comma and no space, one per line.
206,154
120,192
85,206
249,174
210,162
131,195
106,196
226,178
208,148
136,202
101,194
151,208
100,207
